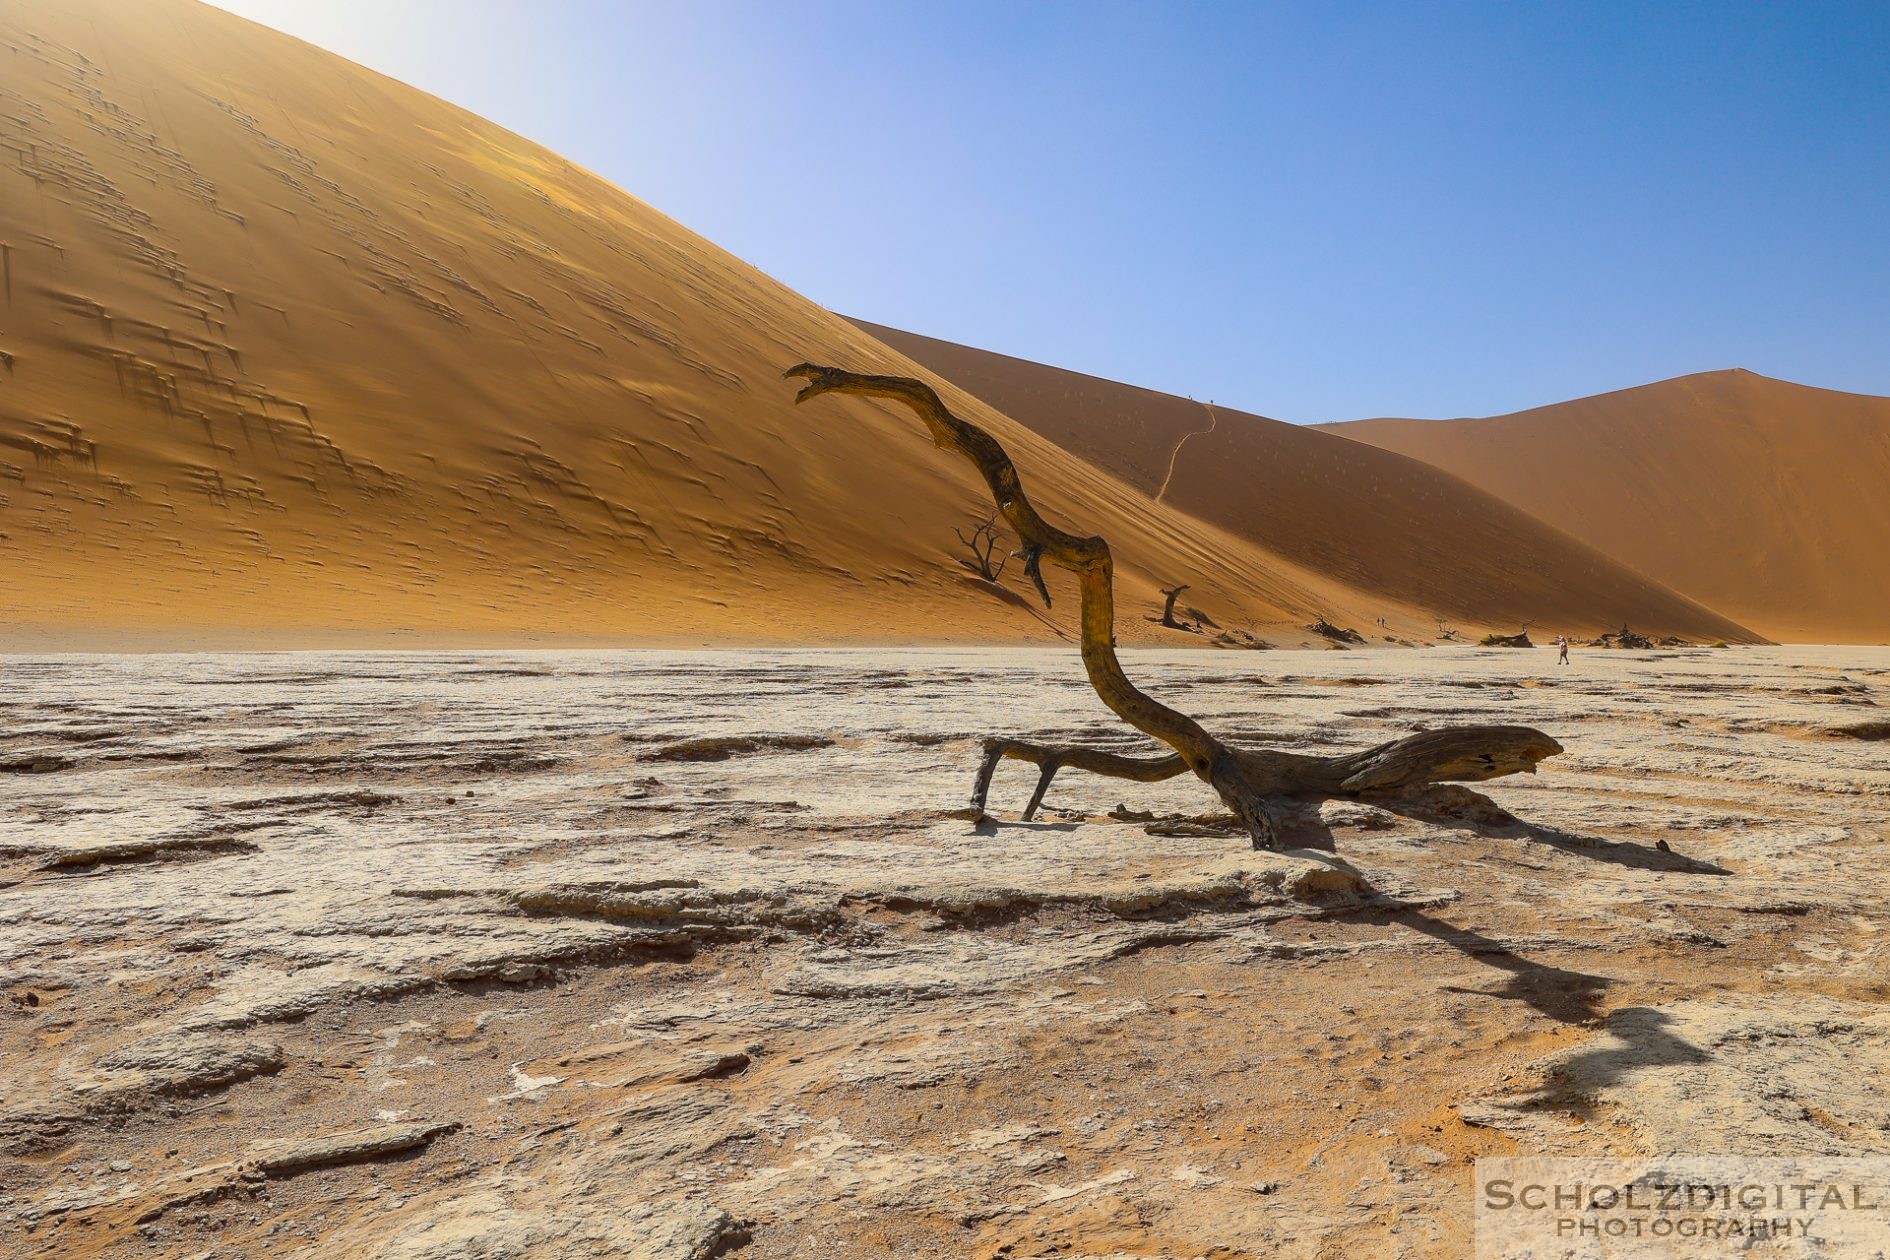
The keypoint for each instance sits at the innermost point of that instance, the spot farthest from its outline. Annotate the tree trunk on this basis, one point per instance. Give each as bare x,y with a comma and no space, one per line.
1171,593
1242,778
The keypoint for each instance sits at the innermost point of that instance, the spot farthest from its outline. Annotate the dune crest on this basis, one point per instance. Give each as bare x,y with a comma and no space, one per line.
1373,520
1762,498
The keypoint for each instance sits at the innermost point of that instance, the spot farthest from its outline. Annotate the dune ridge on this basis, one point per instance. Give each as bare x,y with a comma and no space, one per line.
1760,497
1374,520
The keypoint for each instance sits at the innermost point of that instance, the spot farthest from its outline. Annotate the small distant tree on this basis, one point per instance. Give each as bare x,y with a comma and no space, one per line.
984,543
1169,595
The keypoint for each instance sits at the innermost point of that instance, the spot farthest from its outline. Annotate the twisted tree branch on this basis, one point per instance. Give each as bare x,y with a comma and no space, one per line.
1243,779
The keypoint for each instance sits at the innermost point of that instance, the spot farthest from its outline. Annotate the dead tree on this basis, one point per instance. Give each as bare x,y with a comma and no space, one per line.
1338,634
1446,633
1518,640
1625,638
1170,594
1244,778
982,545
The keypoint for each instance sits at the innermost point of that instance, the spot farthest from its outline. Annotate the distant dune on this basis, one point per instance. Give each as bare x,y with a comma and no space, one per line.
1377,521
1767,500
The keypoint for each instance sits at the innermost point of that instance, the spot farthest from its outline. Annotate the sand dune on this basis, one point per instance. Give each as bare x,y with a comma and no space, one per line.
296,355
299,355
1375,521
1764,499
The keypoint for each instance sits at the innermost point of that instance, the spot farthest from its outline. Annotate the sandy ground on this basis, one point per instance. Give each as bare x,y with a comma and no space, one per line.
1761,498
593,955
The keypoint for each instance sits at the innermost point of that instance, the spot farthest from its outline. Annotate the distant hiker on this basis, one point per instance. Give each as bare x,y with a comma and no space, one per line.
1561,645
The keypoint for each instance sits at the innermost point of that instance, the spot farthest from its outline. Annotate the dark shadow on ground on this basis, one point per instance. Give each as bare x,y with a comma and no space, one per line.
1459,808
989,826
1638,1040
1564,995
1568,997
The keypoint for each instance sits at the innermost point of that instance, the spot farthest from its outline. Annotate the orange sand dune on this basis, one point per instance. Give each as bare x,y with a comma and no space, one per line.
1768,500
1375,521
299,355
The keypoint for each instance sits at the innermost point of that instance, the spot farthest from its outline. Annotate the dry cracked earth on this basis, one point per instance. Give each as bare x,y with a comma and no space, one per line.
430,956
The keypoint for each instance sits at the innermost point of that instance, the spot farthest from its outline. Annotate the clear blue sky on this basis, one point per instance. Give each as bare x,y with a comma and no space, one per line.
1317,211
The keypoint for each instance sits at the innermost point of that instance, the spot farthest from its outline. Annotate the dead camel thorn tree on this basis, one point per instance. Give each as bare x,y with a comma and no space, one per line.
1244,778
1625,638
1338,634
983,544
1518,640
1169,595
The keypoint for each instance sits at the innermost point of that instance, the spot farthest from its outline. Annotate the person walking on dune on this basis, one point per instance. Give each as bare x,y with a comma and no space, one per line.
1561,646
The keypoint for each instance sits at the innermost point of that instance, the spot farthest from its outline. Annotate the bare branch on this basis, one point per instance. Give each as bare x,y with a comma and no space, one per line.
1242,778
983,544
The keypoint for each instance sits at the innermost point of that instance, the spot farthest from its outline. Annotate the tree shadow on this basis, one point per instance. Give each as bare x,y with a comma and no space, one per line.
989,826
1017,601
1460,809
1451,805
1638,1039
1568,997
1564,995
1298,825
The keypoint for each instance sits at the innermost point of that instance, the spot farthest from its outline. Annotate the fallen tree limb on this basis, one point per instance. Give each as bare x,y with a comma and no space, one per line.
1338,634
1049,760
1518,640
1626,638
1242,778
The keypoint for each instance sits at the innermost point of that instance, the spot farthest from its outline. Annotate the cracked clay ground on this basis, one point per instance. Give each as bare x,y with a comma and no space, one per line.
429,956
